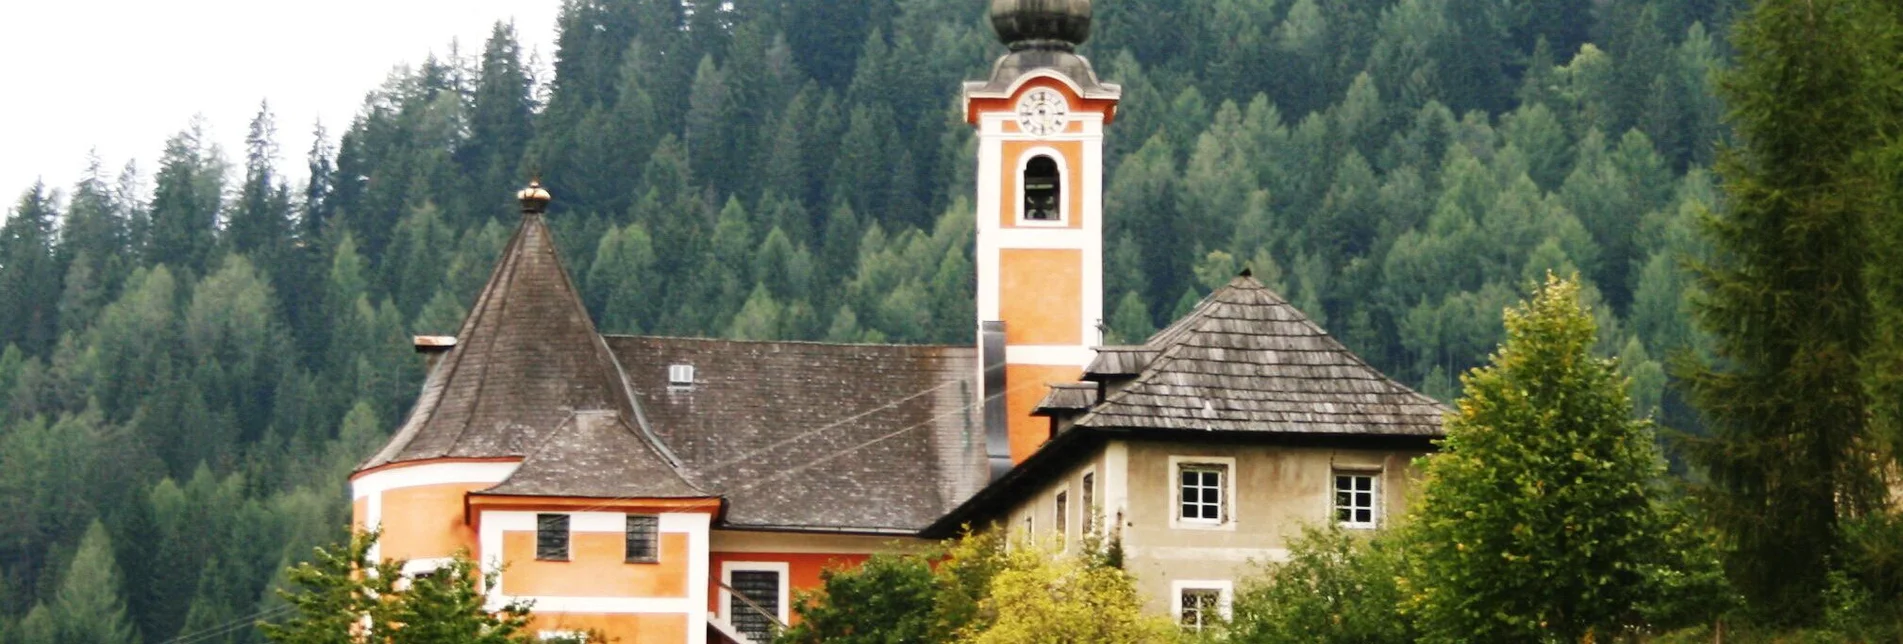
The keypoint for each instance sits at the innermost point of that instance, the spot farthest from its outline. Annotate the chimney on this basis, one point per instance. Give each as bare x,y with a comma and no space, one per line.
433,347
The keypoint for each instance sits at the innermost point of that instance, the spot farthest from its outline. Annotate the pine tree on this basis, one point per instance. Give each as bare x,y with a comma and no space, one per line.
88,607
1784,296
186,201
29,274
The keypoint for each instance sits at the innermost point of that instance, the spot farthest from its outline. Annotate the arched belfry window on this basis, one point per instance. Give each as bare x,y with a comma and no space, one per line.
1043,190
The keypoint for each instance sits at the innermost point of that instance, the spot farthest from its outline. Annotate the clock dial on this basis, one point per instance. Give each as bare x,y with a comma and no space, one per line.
1042,112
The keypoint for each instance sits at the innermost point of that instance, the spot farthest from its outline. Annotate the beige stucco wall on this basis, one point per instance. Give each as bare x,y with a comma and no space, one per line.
1040,506
1273,491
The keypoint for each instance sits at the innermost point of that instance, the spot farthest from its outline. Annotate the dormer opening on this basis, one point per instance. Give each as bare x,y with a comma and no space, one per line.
680,376
1042,189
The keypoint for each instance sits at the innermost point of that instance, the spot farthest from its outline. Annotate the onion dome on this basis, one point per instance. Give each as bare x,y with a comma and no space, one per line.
534,198
1041,24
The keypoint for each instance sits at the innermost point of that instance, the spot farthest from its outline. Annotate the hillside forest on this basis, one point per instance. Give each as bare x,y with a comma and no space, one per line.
196,354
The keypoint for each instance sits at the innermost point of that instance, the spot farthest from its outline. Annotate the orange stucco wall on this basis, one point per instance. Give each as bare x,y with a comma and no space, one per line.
1073,152
597,567
1040,296
427,521
627,628
1028,384
802,570
359,512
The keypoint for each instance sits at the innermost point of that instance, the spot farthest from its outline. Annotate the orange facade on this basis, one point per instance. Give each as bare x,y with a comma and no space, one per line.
803,570
426,521
1029,384
1015,152
597,567
1039,296
627,628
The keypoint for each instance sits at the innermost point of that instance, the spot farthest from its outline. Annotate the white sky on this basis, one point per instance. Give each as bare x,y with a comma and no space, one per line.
123,75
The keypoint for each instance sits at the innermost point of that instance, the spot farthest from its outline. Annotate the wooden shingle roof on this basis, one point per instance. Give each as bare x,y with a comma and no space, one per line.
597,454
1245,360
816,436
526,358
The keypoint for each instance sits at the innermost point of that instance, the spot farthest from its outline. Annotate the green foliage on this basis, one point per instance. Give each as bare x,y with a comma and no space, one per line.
1785,298
338,598
1336,587
1537,520
885,600
974,589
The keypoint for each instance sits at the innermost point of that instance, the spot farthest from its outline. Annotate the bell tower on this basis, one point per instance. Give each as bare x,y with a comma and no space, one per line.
1040,120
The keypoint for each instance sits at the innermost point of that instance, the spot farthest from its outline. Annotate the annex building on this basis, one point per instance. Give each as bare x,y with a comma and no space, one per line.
662,489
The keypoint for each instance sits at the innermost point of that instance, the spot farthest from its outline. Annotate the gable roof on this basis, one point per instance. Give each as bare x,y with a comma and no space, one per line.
527,358
596,454
1245,360
817,436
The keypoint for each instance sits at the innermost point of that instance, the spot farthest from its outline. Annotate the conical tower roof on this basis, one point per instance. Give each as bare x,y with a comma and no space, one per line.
526,359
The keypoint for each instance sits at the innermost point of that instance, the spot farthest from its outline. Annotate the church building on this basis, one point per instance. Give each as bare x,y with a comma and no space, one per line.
664,489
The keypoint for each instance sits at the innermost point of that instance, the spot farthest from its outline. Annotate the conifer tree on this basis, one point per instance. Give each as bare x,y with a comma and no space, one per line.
1789,457
29,276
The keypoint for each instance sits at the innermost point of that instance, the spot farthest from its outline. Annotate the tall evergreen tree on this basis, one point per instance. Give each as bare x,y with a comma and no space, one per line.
88,606
29,274
186,201
1789,457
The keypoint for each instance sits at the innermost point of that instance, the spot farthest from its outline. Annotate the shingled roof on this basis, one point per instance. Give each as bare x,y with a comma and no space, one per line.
597,454
1245,360
804,435
526,359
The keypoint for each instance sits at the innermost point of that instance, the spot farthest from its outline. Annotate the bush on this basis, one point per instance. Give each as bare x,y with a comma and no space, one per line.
1336,587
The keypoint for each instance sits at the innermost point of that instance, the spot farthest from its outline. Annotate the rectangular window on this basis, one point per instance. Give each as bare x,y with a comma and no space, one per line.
1090,502
644,538
755,606
551,537
1201,608
1355,499
1202,494
1061,523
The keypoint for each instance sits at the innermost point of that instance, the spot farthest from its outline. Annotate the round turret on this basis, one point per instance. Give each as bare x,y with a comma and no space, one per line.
1041,24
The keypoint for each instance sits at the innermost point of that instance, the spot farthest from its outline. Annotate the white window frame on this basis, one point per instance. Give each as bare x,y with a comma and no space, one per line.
1063,189
1374,488
1175,486
1086,501
727,569
1060,519
1225,595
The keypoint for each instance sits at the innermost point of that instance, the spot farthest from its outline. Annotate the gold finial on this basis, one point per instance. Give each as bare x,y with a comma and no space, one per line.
534,198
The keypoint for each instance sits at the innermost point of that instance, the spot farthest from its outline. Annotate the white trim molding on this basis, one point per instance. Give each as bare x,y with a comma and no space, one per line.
1063,188
1225,589
1230,503
785,570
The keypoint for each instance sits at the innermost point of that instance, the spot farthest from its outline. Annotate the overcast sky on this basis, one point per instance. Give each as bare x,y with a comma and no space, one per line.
122,75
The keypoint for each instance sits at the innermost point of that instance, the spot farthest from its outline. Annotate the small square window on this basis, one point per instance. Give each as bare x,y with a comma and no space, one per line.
551,537
1201,493
1201,608
1356,498
644,536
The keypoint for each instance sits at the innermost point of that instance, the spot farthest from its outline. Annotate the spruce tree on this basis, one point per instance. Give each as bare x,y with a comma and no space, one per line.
29,276
1789,456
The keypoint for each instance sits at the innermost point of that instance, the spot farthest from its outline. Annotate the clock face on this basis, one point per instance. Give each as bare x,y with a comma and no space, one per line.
1043,112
